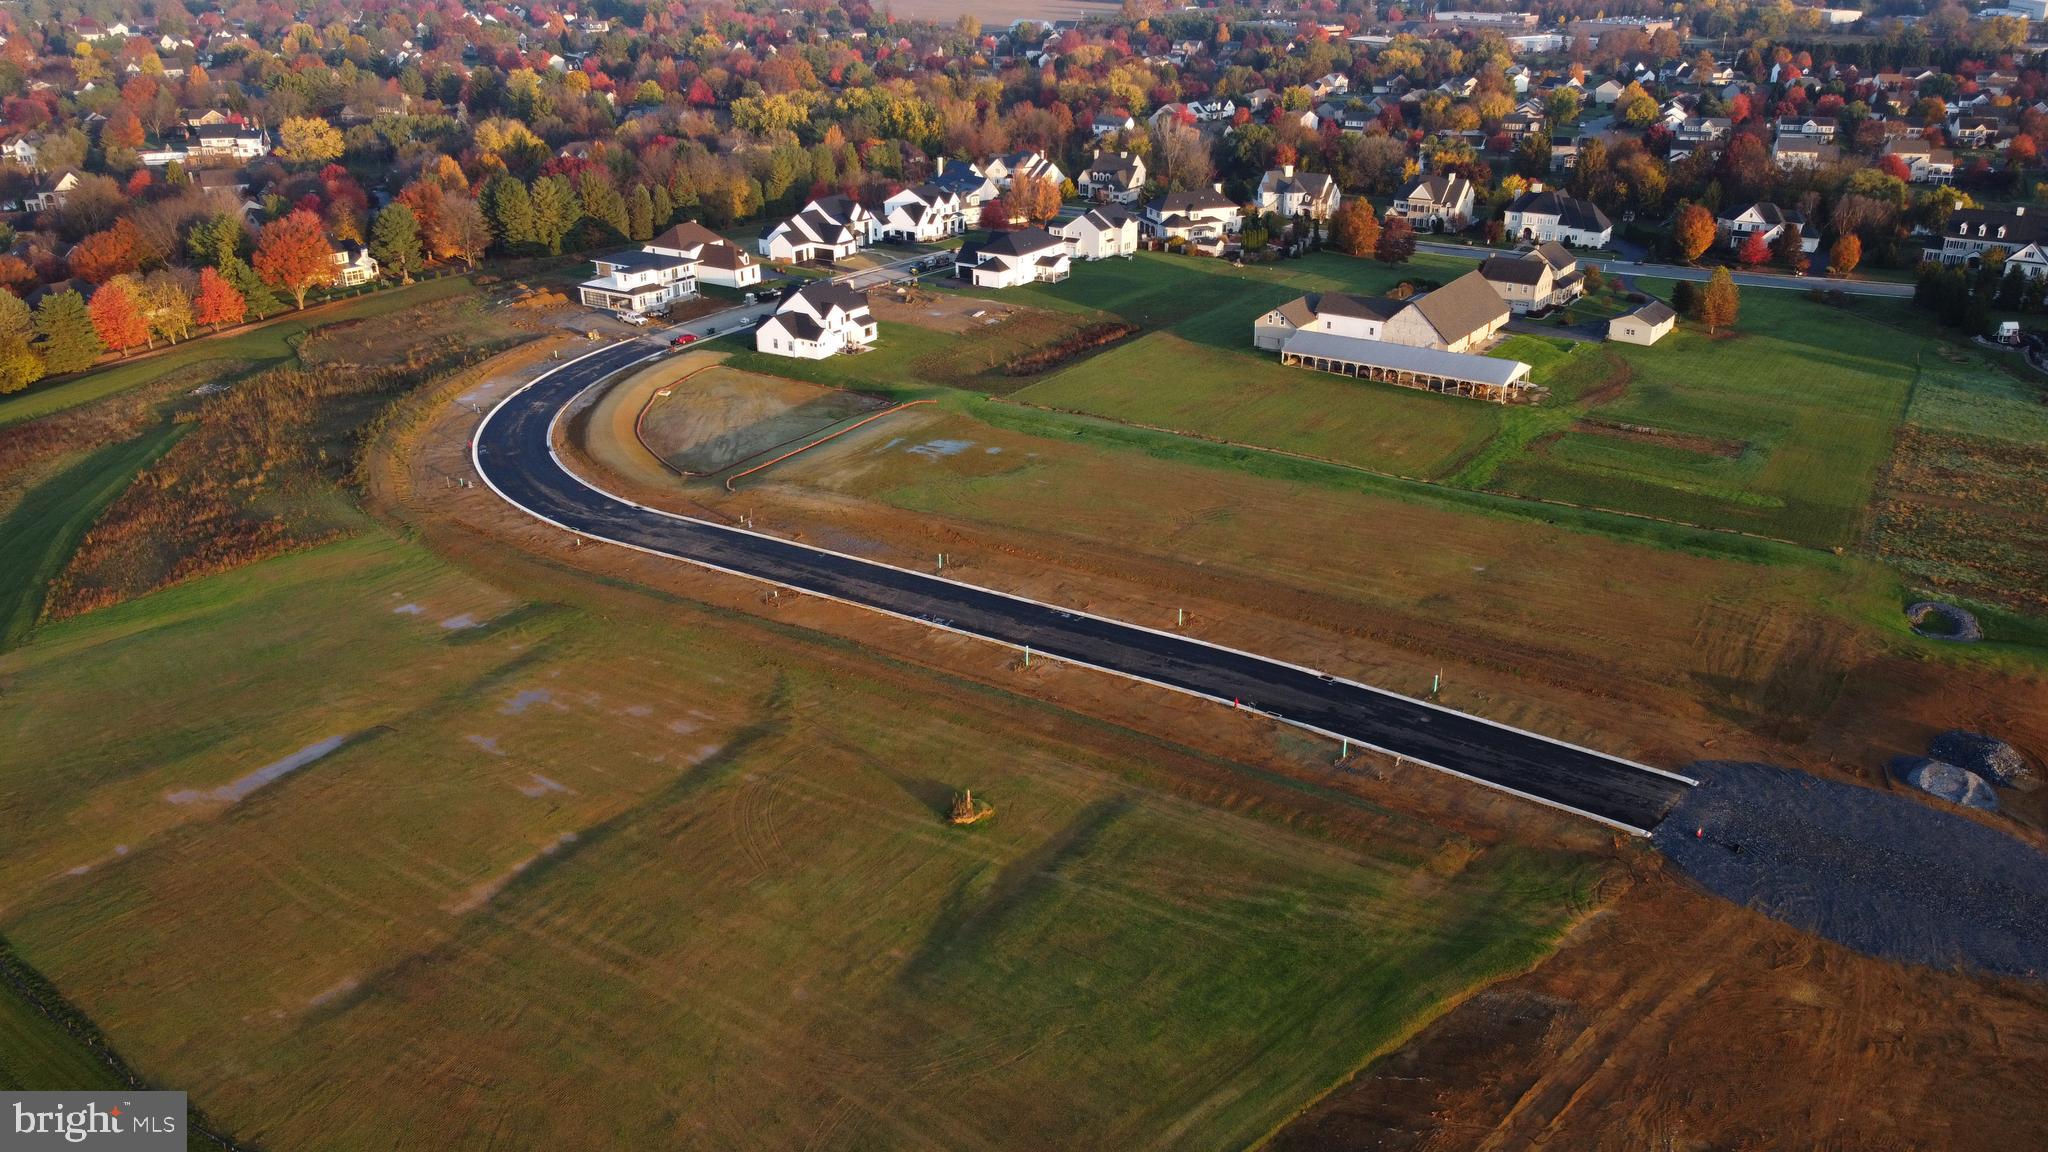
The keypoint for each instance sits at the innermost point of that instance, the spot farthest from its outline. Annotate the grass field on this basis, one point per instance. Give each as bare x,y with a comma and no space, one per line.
716,417
737,918
45,527
262,346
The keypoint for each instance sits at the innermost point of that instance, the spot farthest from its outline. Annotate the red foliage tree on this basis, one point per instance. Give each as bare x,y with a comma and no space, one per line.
117,315
104,255
218,302
1755,250
1894,166
292,255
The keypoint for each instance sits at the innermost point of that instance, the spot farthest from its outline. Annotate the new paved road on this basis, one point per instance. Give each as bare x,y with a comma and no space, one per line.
514,455
1618,267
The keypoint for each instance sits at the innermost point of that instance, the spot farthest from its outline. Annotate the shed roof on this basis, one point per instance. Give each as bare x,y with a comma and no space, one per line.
1403,358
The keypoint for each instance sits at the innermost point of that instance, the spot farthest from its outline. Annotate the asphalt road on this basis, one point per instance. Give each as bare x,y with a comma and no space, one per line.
1681,272
514,455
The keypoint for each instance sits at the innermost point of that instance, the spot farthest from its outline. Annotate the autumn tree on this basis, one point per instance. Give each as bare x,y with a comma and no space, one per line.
1693,231
218,304
1789,248
1755,250
308,141
293,256
165,306
395,240
64,332
1397,242
20,364
1355,227
1845,255
106,254
117,315
464,231
1721,303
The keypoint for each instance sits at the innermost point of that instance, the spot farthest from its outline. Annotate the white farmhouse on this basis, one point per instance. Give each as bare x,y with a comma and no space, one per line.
1005,170
355,264
1291,193
1100,233
820,319
640,281
717,260
1008,259
829,228
1542,216
1200,216
922,215
1435,202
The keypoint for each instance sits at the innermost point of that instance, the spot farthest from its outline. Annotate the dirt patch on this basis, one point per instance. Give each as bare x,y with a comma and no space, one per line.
1663,437
1676,1020
716,418
941,311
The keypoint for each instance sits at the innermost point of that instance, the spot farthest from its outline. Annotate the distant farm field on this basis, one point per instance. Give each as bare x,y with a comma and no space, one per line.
735,916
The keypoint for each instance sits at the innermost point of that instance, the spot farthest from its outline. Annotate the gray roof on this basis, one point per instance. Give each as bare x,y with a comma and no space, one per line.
1572,212
1402,358
1356,307
1462,307
1513,270
1655,312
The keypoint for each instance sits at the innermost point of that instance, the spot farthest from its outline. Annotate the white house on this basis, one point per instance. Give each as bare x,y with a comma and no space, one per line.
1925,164
1544,276
1792,152
50,193
1543,216
922,215
1114,177
1435,202
1646,325
21,152
640,281
818,320
1007,259
1106,123
967,181
717,260
1100,233
829,228
356,264
1739,224
1291,193
226,142
1199,216
1005,170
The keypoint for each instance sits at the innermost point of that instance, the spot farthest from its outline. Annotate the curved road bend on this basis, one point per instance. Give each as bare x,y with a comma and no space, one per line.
514,455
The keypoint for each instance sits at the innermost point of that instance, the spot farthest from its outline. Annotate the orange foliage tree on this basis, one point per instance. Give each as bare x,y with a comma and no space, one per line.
292,255
117,315
218,303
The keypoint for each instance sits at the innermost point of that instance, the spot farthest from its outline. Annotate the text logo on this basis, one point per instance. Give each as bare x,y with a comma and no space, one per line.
108,1121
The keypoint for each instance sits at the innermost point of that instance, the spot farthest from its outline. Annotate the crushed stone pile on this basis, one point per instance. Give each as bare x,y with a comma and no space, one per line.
1944,780
1877,871
1987,756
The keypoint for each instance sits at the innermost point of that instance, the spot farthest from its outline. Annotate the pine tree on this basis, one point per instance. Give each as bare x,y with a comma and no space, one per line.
556,212
664,208
511,213
395,240
20,366
65,330
1685,299
257,297
640,214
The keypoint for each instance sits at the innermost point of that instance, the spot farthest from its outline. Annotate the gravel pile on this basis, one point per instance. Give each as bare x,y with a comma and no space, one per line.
1880,873
1987,756
1945,780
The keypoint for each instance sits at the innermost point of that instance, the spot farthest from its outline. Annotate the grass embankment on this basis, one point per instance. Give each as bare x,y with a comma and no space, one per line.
262,345
45,527
463,921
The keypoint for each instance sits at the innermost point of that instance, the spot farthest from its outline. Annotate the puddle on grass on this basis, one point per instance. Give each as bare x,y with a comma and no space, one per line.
457,623
236,790
408,610
518,704
938,449
487,743
538,785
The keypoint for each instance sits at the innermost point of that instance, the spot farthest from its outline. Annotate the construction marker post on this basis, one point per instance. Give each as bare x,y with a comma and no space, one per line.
1027,655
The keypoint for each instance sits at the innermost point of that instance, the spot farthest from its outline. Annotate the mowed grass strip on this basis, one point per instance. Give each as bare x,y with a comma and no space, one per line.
268,343
44,528
632,874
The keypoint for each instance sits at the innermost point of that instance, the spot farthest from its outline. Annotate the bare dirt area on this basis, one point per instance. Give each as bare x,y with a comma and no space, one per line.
943,311
1676,1020
1642,434
711,419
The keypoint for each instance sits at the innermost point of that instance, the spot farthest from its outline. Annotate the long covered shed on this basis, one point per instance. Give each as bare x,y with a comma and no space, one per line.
1454,373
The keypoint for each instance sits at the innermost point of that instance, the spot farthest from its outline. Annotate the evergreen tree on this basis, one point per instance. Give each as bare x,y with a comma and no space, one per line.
640,214
395,240
20,365
64,327
664,208
256,295
511,212
556,211
1685,299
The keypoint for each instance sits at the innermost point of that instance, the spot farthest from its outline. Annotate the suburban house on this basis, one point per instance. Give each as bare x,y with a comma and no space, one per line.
924,214
1106,123
21,152
829,228
226,141
1925,164
1008,259
1763,216
1437,202
1973,232
356,264
1200,216
718,260
1799,152
1100,233
640,281
50,193
1646,325
1543,216
1533,279
1292,193
1424,342
968,182
1005,170
1114,177
818,320
1811,128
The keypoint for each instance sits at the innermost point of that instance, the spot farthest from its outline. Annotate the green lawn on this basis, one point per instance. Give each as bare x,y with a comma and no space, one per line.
263,345
737,915
46,526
